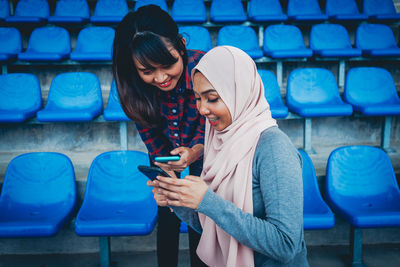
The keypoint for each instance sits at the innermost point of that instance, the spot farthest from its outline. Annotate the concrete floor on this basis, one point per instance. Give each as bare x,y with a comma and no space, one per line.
331,256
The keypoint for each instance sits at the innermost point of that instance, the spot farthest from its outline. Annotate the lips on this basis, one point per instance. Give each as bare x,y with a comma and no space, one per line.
213,121
165,84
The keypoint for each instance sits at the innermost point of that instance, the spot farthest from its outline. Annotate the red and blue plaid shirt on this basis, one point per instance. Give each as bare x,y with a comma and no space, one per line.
183,126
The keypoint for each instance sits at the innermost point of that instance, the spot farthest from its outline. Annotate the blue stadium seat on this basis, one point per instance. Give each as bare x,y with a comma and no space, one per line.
38,195
161,3
284,41
227,11
361,187
109,11
265,11
30,11
68,12
4,10
243,37
20,97
305,10
273,94
197,37
316,213
372,91
189,11
94,44
117,201
74,96
114,111
376,40
11,43
382,10
313,92
332,40
47,44
343,10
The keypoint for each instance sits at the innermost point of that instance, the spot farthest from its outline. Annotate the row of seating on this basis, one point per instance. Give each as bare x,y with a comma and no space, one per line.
39,196
280,41
112,11
311,92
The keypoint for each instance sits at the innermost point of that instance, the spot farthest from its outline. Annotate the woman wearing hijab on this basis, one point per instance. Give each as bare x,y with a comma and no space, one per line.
248,202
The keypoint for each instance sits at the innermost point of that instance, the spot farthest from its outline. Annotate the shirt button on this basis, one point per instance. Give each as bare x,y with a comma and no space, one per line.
174,111
177,144
175,123
175,134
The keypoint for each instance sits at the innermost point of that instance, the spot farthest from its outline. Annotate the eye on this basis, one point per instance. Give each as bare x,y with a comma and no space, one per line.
197,99
213,100
167,67
147,72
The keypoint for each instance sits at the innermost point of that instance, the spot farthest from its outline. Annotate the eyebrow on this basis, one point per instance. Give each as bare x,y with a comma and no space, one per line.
208,91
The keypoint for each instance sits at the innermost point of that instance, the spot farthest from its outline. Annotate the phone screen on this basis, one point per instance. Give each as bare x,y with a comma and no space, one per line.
152,172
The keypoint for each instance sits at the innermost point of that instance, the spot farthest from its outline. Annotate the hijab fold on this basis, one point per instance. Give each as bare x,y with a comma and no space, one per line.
228,154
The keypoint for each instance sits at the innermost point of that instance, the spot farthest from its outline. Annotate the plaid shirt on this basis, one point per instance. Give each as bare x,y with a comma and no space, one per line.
183,126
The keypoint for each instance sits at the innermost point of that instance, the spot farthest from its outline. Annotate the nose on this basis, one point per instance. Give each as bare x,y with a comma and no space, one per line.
202,108
159,76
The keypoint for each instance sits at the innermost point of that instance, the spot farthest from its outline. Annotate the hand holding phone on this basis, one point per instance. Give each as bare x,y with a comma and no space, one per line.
166,159
152,172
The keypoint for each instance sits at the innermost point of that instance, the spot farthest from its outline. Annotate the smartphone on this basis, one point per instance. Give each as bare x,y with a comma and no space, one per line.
166,159
152,172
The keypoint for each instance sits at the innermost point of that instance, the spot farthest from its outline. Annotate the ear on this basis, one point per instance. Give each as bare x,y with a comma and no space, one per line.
184,41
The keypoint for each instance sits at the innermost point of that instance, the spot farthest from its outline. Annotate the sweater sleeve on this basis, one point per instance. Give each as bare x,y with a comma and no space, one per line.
189,216
278,232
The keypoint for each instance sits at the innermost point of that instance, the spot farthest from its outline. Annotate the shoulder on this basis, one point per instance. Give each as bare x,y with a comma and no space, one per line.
194,56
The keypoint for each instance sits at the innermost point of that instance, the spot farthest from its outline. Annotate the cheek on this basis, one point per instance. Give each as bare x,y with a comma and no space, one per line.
146,78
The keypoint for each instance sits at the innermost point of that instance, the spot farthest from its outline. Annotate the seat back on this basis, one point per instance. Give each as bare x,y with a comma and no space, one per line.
75,8
11,43
4,9
74,91
243,37
95,39
189,11
341,7
161,3
370,86
271,87
49,40
283,37
40,178
111,8
264,8
197,37
329,36
226,11
312,86
32,8
378,7
375,36
19,93
358,172
303,7
114,109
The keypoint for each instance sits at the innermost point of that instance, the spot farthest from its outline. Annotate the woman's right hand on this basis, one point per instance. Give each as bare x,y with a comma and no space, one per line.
160,198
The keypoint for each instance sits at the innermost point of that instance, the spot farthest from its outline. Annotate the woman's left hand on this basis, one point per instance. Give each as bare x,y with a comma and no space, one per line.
187,192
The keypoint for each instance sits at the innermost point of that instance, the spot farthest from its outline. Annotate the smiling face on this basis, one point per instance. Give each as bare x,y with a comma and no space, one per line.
165,78
210,104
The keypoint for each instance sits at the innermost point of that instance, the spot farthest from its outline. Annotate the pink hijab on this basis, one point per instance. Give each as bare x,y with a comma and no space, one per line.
228,154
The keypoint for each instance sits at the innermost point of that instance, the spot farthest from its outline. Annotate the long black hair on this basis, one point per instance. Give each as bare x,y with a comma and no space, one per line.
143,35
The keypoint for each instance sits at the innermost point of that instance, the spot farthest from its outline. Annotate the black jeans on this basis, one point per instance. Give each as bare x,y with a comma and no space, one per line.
168,234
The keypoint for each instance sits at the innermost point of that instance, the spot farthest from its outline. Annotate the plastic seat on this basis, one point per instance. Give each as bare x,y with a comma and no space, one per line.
343,10
316,213
11,43
227,11
332,40
4,10
114,111
74,96
372,91
30,11
47,44
109,11
189,11
94,44
284,41
38,195
273,94
361,187
197,37
313,92
20,97
243,37
161,3
382,10
305,10
67,12
265,11
117,201
376,40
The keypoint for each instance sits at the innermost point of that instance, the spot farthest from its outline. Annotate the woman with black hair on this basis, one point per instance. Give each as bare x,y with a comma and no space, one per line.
152,67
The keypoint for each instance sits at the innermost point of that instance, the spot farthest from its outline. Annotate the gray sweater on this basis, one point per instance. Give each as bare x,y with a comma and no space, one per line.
275,229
